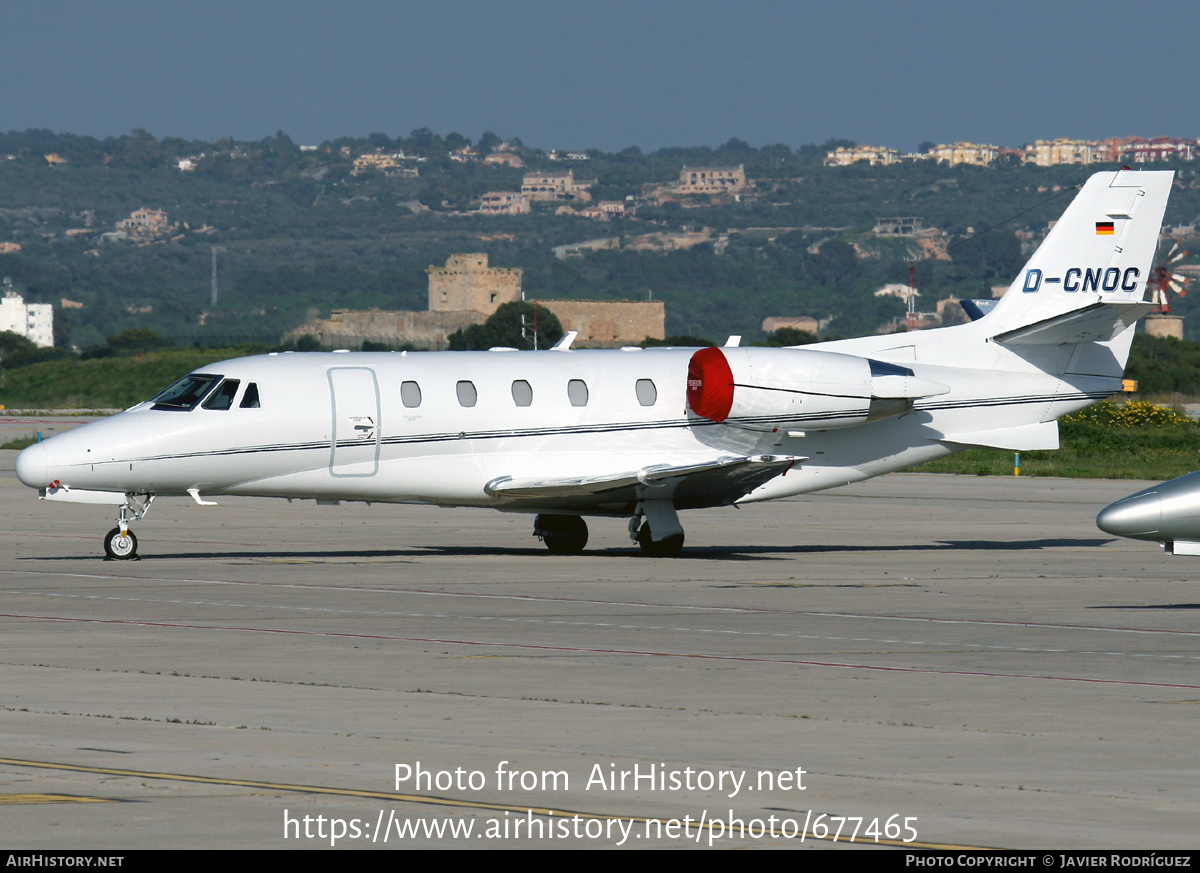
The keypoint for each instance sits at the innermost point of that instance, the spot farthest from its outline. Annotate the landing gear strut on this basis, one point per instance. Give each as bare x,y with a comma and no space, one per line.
562,534
119,543
659,535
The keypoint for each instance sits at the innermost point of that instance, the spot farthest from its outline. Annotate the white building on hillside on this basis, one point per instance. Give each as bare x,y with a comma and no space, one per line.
34,321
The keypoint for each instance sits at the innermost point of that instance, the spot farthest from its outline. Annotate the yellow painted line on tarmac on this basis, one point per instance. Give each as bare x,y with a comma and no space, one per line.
20,799
396,797
479,657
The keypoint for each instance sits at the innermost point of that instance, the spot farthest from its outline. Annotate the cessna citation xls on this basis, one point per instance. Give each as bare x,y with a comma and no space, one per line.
636,433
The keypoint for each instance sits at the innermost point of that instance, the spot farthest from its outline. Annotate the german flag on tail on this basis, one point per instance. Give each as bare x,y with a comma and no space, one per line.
1104,228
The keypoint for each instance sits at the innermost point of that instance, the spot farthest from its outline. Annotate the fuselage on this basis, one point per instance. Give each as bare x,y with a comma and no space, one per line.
438,427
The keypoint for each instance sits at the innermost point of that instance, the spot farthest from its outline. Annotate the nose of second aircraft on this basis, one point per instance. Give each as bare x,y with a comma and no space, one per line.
1139,515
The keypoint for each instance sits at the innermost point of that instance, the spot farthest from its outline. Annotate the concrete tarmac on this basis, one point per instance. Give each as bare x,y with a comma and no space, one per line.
958,661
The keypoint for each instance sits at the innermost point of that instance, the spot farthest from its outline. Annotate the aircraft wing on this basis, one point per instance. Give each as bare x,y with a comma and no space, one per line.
707,483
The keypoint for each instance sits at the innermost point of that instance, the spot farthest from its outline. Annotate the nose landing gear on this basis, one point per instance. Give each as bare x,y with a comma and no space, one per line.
119,543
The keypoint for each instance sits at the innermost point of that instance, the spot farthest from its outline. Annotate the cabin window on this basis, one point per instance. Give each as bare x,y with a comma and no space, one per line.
410,394
522,393
647,394
250,398
577,392
222,398
183,395
467,395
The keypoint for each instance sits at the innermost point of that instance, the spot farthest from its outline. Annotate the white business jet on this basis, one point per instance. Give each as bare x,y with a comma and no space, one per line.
636,433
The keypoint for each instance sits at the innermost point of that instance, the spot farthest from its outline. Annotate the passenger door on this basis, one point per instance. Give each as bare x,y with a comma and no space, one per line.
354,402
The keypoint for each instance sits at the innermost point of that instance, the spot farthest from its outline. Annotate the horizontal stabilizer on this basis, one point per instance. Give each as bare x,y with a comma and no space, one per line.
732,477
1026,438
977,309
1099,322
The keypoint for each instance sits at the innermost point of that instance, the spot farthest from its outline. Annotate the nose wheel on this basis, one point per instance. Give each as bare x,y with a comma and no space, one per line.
120,545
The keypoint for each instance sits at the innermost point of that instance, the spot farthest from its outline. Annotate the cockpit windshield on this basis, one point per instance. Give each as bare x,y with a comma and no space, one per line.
186,393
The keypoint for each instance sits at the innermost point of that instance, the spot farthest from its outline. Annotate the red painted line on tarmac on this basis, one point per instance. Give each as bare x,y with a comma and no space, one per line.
1006,623
594,651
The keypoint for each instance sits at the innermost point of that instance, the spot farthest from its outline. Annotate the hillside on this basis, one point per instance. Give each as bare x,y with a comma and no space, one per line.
298,233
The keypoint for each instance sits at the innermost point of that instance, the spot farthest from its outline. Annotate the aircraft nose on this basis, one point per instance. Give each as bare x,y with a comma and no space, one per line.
1137,516
33,466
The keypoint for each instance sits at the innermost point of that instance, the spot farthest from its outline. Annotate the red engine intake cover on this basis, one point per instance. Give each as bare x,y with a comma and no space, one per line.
710,384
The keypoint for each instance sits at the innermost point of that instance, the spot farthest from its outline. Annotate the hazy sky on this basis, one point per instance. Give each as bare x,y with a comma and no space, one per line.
579,73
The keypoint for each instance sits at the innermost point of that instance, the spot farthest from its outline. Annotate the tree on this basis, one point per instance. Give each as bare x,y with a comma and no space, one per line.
62,328
790,336
737,147
136,340
425,141
506,329
141,149
16,350
989,255
834,260
456,141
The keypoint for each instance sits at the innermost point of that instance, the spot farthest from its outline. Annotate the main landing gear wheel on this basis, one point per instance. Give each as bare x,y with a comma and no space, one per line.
670,547
120,546
562,534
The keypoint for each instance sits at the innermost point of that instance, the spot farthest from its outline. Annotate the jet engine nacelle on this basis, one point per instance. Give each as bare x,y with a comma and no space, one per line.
799,388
